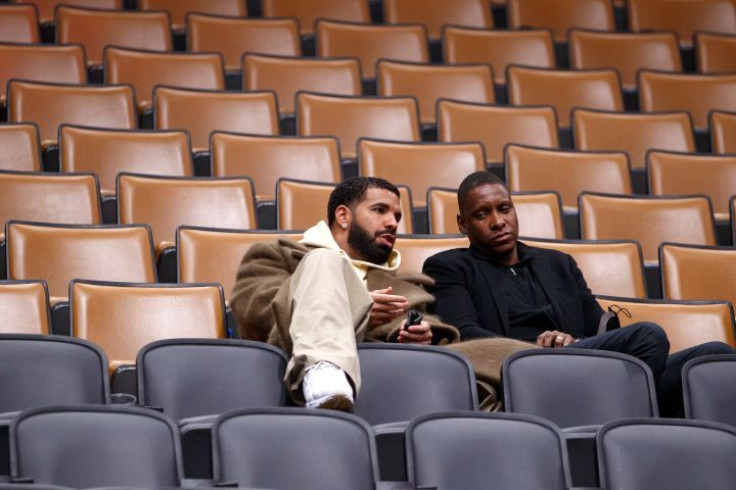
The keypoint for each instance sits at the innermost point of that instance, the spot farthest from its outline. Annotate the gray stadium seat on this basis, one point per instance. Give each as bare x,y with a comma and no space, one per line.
709,388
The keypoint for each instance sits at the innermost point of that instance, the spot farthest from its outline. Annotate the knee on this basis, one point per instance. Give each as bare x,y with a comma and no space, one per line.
715,348
652,335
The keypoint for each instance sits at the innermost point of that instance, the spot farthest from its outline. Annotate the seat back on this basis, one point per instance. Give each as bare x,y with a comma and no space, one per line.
60,253
578,387
715,53
19,24
370,43
723,132
486,448
146,69
95,29
706,386
233,37
428,83
687,219
46,8
107,152
42,370
567,172
84,447
21,147
194,377
265,159
201,112
698,272
634,134
24,306
613,268
51,105
287,76
41,63
178,9
588,14
415,250
352,118
565,89
165,203
434,14
307,13
123,317
638,454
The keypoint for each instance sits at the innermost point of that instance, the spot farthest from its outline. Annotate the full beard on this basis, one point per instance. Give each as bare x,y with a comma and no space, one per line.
366,246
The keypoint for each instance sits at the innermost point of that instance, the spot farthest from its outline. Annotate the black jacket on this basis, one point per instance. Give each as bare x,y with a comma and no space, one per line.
467,295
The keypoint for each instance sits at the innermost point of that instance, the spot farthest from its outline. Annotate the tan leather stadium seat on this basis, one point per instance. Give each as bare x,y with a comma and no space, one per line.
567,172
420,165
715,53
370,43
46,8
165,203
428,83
560,17
610,267
233,37
565,89
442,211
626,52
415,250
681,173
19,24
145,70
686,323
723,132
265,159
201,112
287,76
20,147
107,152
683,17
633,133
210,255
121,317
96,29
24,307
302,204
650,220
498,48
51,105
434,14
352,118
41,63
60,253
458,121
697,94
178,9
308,12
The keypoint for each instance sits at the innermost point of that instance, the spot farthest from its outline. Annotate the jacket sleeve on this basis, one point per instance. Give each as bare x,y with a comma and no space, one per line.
592,311
453,301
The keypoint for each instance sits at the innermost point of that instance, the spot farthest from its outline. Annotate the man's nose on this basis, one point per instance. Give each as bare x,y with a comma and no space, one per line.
497,220
391,222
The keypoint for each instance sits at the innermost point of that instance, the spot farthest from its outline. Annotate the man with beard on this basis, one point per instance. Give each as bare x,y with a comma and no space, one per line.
338,286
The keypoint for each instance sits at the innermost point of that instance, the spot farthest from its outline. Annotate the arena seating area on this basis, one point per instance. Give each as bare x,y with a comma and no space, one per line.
146,145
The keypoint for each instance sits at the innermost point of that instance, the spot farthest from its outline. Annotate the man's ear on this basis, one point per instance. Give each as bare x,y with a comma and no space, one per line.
461,224
343,216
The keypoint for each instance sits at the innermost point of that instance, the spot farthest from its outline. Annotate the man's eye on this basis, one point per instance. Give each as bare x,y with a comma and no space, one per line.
480,215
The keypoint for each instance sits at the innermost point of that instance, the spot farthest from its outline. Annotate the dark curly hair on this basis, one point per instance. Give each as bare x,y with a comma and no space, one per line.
352,191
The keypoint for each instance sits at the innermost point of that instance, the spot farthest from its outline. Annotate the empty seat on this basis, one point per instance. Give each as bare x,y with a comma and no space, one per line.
178,9
723,132
633,133
626,52
610,267
428,83
20,147
60,253
123,317
51,105
588,14
650,220
24,307
698,272
308,12
19,24
564,89
144,70
351,118
706,386
166,203
434,14
498,48
686,323
96,29
567,172
682,173
370,43
265,159
107,152
287,76
415,250
201,112
696,94
46,8
420,165
715,53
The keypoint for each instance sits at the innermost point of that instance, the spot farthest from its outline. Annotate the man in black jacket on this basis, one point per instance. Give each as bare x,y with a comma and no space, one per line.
501,287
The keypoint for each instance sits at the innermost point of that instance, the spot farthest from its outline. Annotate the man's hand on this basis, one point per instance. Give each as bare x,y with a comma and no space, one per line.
554,338
415,334
386,307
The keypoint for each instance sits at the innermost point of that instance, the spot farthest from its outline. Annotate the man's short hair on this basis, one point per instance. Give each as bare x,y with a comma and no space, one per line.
475,180
352,191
